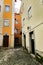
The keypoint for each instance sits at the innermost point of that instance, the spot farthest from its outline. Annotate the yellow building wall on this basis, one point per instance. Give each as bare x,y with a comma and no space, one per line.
8,15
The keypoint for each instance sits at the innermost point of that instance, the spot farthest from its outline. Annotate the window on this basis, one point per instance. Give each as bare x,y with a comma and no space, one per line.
0,8
23,19
16,21
29,13
15,30
7,8
6,22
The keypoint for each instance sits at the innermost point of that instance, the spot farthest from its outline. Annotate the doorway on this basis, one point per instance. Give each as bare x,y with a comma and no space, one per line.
16,42
32,42
24,41
5,41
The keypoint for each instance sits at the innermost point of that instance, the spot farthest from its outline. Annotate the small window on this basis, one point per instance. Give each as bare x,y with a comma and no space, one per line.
16,21
7,8
29,13
6,22
15,30
0,8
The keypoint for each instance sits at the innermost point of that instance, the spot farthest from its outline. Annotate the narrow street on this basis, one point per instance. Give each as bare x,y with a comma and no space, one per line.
16,57
21,27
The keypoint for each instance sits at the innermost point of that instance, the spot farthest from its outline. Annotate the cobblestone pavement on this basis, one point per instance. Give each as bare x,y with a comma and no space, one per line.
16,57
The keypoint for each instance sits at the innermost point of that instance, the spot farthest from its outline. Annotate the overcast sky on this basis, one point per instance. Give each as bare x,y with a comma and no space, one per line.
17,6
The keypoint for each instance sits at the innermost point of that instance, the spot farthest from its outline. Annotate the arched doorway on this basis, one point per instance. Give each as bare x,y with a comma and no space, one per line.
5,40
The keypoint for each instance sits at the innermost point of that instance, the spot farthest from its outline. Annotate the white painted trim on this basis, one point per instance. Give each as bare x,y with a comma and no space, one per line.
12,17
12,24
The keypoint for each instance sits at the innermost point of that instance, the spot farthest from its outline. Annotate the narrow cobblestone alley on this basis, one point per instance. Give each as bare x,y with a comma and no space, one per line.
16,57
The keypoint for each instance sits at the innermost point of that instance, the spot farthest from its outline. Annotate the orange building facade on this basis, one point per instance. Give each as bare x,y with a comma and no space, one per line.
8,24
17,27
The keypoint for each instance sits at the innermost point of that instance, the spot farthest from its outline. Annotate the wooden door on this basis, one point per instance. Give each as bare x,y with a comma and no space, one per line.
32,43
5,41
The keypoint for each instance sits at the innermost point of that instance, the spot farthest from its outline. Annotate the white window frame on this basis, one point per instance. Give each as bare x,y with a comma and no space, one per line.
16,21
6,23
6,10
15,30
29,13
